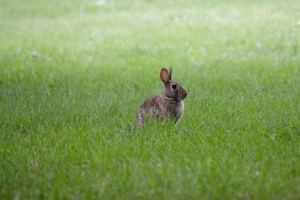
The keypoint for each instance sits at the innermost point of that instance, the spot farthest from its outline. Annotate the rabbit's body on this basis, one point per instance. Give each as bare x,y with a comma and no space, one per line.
170,105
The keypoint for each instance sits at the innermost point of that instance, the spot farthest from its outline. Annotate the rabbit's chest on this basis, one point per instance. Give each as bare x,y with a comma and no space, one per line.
176,109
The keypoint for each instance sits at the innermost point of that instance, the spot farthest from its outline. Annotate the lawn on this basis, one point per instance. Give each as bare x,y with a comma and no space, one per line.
73,74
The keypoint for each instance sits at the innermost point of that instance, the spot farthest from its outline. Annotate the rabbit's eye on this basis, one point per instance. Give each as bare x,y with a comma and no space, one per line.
174,86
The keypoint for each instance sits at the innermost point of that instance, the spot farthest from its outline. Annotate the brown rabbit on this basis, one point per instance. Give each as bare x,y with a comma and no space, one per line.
169,105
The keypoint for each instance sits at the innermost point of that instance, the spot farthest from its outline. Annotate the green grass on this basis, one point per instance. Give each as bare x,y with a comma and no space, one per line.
73,74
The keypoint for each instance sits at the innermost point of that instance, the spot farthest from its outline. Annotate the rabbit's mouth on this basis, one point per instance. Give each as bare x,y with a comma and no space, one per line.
177,97
180,98
184,95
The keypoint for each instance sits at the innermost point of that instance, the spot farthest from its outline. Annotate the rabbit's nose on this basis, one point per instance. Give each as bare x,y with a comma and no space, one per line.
185,95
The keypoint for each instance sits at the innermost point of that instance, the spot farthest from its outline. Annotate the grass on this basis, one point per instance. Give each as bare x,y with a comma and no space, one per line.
73,75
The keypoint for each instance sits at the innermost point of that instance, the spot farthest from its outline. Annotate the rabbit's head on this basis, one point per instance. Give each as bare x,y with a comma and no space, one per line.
172,90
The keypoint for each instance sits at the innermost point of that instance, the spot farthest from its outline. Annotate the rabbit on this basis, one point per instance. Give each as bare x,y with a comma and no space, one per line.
169,105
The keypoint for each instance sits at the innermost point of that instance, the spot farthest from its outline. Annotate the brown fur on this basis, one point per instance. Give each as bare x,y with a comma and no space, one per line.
169,105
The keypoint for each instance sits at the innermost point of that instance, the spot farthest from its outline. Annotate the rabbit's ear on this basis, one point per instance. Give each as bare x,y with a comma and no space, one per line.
164,75
170,74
